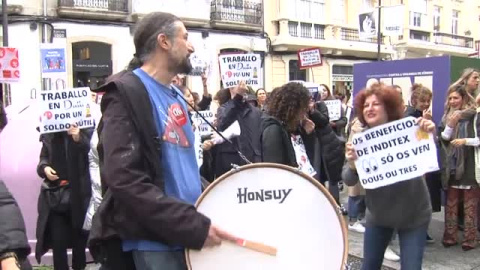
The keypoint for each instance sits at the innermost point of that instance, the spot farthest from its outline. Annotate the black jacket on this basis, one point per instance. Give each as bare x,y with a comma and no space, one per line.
13,236
332,147
3,117
135,205
411,111
248,142
277,144
76,172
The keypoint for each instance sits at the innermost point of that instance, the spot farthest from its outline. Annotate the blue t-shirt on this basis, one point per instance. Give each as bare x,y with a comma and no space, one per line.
180,170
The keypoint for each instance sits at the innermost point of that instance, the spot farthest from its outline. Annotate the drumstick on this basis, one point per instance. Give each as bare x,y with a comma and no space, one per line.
257,246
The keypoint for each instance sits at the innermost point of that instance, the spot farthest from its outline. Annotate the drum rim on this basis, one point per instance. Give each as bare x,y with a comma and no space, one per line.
288,168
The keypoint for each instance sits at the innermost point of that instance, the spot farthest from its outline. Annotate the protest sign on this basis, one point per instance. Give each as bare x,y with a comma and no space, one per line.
201,125
334,109
54,72
394,152
309,58
60,109
241,67
9,65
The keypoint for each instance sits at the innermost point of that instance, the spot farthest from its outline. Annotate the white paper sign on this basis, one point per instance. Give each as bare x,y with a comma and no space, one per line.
392,20
394,152
241,67
334,109
310,57
60,109
201,125
303,162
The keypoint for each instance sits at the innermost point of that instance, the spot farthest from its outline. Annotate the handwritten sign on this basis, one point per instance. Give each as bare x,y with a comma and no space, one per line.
241,67
394,152
201,125
60,109
309,58
9,65
334,109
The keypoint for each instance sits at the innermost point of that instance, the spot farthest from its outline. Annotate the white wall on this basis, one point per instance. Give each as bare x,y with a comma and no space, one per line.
28,43
199,9
118,36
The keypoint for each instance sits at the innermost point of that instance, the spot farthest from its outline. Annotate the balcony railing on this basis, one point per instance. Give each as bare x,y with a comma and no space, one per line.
306,30
453,40
237,11
352,35
420,35
107,5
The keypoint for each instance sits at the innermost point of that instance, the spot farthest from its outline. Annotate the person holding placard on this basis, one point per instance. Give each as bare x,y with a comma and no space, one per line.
403,206
64,162
339,122
460,140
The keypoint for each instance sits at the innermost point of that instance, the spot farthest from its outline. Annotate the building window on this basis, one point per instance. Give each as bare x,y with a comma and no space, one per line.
307,10
367,4
416,19
237,4
455,15
418,12
437,11
294,73
342,79
339,12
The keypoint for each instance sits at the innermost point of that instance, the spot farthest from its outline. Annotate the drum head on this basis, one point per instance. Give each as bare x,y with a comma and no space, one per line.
277,206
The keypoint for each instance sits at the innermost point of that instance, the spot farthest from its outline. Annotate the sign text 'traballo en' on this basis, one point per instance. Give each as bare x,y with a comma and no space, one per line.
394,152
241,67
60,109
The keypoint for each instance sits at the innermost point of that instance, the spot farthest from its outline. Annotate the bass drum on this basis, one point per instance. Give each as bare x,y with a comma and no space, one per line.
279,209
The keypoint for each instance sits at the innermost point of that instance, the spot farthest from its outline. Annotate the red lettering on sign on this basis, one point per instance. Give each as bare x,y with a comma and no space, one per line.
16,74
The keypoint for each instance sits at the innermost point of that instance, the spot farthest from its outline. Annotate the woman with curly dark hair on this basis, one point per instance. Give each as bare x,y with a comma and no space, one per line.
281,140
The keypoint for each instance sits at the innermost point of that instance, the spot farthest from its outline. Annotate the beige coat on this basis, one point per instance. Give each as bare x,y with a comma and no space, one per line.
356,127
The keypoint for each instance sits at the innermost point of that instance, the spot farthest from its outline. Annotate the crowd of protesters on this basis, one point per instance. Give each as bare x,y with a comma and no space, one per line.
136,171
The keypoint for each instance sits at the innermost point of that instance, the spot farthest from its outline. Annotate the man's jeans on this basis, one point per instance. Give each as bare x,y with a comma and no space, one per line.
159,260
412,244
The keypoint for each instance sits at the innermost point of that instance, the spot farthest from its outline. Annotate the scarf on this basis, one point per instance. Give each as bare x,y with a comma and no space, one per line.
456,155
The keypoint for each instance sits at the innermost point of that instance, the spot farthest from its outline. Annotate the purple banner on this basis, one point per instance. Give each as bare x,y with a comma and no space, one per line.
433,73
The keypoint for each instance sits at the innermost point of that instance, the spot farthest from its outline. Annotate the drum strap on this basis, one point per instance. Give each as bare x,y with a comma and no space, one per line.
242,156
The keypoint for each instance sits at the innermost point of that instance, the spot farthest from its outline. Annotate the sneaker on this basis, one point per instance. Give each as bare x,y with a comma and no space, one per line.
357,227
391,255
430,240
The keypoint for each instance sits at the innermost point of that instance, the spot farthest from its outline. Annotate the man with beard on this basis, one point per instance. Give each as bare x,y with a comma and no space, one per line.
147,156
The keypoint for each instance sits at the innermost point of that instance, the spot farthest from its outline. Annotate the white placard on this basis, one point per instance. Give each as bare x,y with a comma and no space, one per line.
394,152
310,58
303,161
241,67
60,109
201,125
334,109
392,20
